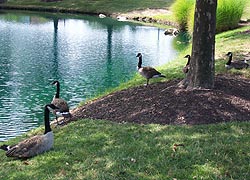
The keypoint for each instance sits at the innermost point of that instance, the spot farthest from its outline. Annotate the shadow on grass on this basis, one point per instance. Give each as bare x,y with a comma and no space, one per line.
93,149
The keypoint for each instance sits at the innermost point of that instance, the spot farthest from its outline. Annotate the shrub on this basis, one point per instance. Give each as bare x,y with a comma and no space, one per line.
228,14
181,10
190,25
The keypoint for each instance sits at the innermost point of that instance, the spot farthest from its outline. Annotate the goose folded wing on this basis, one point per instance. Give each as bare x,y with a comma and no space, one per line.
239,64
27,148
151,70
61,104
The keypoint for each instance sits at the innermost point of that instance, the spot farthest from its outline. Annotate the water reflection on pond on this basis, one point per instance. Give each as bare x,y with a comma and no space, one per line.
86,54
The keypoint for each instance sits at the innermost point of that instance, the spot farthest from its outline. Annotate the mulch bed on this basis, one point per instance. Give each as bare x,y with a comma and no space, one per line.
167,103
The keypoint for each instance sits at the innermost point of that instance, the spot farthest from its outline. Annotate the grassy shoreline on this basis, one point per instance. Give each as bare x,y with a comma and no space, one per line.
87,7
100,149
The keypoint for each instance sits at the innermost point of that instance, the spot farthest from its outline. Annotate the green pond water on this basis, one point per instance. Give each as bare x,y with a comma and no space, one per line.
88,55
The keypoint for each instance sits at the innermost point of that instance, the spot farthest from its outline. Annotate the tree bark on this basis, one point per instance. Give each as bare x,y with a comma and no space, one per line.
202,71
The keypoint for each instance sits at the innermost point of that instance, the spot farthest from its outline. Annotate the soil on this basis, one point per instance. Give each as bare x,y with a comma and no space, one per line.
167,103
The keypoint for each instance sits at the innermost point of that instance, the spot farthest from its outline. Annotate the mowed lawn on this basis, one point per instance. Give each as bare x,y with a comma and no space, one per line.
98,149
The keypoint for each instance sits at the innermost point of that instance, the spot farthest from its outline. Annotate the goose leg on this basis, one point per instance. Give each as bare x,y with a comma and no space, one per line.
57,120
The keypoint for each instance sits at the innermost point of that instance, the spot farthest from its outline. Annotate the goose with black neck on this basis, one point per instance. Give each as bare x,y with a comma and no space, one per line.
35,145
147,71
61,104
240,64
186,68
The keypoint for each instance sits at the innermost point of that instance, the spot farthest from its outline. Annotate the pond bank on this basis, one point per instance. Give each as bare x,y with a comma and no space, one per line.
147,15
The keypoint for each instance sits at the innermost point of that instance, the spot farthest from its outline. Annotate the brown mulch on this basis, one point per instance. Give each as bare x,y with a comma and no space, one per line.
167,103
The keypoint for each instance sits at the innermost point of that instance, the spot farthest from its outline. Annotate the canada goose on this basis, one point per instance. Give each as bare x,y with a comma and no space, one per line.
121,18
187,67
61,104
35,145
172,31
235,64
147,72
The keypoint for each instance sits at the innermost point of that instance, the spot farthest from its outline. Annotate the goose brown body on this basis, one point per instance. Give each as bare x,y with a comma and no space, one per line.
147,71
35,145
235,64
32,146
186,68
60,103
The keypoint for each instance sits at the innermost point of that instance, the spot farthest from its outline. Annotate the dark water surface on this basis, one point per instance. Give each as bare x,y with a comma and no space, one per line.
86,54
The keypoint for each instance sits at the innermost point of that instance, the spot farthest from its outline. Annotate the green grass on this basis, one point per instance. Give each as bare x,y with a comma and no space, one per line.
87,6
246,13
93,149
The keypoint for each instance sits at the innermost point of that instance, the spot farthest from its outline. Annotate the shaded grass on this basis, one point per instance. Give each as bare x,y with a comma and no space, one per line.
93,149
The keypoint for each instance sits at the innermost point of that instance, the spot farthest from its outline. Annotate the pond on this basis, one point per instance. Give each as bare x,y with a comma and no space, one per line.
88,55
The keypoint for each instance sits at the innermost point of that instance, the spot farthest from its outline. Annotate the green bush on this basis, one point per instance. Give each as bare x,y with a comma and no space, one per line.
190,25
181,9
228,14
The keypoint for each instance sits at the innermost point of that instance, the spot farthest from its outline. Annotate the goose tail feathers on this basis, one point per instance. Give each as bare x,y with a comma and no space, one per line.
64,114
159,75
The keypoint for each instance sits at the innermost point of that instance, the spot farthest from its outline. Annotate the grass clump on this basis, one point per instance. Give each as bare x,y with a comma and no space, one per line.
181,10
229,13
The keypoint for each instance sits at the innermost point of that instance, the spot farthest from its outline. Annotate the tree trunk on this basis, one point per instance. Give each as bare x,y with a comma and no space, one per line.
201,74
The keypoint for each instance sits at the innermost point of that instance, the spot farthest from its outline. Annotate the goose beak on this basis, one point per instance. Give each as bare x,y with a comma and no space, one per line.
54,82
